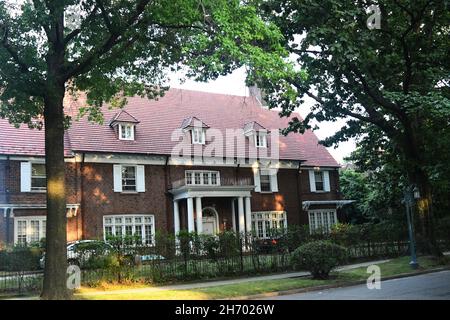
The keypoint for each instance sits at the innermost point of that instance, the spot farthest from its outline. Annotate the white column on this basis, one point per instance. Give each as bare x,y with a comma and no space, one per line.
233,215
176,217
241,214
198,209
190,207
248,214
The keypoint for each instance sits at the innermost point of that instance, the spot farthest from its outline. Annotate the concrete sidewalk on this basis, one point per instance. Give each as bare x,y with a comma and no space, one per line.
227,282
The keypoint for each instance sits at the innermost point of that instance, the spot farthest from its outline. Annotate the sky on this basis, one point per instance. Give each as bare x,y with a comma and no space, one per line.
234,84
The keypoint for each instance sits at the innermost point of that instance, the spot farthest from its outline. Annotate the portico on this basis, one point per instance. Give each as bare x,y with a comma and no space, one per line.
238,205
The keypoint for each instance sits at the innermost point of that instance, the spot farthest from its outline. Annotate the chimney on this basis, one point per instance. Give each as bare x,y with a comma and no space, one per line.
256,92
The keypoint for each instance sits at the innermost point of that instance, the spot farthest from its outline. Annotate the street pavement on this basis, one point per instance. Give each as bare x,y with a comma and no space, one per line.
432,286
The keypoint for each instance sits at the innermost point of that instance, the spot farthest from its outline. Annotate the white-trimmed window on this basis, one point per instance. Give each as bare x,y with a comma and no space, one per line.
140,226
261,139
322,220
33,177
129,178
29,229
265,223
126,131
198,135
319,180
265,180
202,177
38,177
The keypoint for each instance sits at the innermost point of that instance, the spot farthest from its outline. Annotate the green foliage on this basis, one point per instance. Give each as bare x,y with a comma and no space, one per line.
20,258
319,257
389,83
123,48
377,194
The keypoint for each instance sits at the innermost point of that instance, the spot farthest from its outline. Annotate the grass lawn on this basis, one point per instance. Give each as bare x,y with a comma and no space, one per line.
393,267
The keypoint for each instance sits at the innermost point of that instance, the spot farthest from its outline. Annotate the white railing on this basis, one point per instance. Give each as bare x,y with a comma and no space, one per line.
224,181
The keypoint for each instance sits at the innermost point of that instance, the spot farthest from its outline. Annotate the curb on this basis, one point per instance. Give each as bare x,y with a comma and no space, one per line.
332,286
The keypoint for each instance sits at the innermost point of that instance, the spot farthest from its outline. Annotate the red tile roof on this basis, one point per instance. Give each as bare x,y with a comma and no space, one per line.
159,119
25,141
193,122
123,116
253,125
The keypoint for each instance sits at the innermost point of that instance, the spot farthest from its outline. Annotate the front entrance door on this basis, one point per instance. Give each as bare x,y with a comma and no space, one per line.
208,227
210,221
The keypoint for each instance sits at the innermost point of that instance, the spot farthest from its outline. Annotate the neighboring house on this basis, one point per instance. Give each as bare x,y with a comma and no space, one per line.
124,176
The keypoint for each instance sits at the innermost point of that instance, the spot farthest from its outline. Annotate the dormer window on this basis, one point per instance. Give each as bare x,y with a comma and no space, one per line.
196,128
198,135
261,139
126,131
253,130
125,125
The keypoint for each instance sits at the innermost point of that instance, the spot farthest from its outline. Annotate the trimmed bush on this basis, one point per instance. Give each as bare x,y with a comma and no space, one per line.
20,258
319,258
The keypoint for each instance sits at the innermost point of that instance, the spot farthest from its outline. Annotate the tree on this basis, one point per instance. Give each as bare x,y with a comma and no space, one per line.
394,78
111,49
385,180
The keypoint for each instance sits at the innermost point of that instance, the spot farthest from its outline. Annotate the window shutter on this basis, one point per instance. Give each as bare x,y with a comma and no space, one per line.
132,128
140,187
326,181
312,181
274,180
117,168
25,176
257,180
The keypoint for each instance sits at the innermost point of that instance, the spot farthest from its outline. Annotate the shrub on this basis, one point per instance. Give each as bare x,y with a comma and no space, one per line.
20,258
319,257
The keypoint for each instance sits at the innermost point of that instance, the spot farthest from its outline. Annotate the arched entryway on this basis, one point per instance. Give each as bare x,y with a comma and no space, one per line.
210,221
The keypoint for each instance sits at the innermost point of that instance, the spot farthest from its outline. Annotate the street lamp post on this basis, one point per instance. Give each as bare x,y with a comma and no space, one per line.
411,194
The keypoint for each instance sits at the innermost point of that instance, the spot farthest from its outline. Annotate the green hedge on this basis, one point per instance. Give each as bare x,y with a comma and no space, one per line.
20,259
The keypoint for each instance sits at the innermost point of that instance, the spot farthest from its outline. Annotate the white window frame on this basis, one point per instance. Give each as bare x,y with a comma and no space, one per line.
265,173
123,129
325,180
202,173
118,178
273,177
322,220
198,135
37,189
135,177
260,139
41,220
116,226
264,221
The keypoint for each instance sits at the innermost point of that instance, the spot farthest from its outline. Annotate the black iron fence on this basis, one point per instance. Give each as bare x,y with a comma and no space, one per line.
190,257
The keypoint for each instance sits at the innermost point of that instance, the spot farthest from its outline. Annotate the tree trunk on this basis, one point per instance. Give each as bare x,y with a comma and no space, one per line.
55,272
425,212
414,148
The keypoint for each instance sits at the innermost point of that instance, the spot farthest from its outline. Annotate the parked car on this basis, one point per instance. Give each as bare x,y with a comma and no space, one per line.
268,245
151,257
79,252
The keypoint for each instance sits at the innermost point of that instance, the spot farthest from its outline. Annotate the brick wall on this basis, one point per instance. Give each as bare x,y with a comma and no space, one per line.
91,185
99,198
